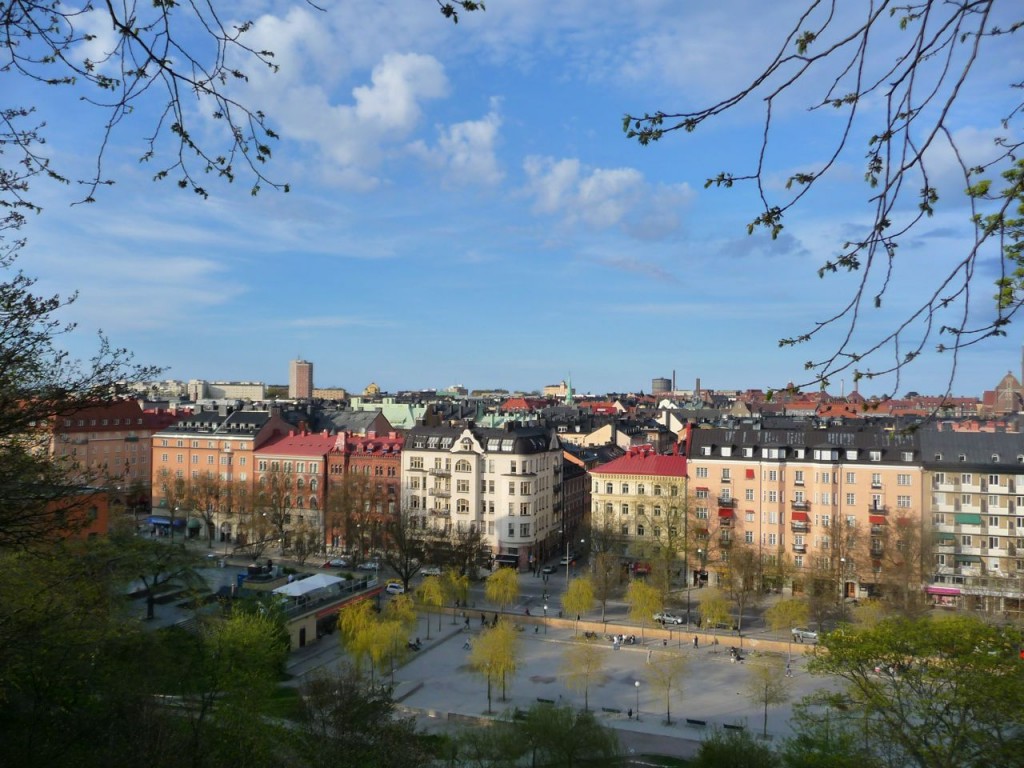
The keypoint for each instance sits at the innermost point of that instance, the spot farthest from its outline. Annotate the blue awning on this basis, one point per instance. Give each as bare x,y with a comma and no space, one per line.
157,520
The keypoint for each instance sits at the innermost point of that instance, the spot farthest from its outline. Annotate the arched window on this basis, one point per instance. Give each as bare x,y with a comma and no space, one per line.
463,466
313,484
298,502
640,510
313,502
608,488
641,489
657,511
300,483
640,530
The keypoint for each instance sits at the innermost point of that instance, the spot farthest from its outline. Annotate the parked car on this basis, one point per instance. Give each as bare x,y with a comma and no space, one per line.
566,560
394,588
805,635
548,569
369,565
336,562
669,618
430,570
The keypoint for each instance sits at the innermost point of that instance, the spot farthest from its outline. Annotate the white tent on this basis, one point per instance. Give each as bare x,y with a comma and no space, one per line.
307,585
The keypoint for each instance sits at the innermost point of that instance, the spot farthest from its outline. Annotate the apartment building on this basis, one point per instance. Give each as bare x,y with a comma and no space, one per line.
640,499
834,499
365,477
503,482
300,380
291,484
110,445
975,520
218,444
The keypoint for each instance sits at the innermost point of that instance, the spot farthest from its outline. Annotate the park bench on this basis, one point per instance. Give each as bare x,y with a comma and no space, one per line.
695,722
733,727
545,701
611,710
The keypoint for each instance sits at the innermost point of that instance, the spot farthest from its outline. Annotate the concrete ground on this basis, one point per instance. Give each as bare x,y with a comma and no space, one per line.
437,686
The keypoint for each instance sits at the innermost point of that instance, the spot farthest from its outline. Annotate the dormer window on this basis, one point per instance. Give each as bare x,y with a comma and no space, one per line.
727,450
962,457
705,450
875,455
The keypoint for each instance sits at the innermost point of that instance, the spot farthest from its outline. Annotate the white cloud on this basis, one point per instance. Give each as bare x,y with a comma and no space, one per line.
466,151
603,198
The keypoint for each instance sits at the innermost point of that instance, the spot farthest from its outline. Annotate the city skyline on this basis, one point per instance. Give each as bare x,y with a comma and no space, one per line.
466,209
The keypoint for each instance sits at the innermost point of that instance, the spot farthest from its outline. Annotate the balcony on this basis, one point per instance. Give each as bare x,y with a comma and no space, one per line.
877,530
801,506
800,549
725,543
800,526
947,486
880,509
440,493
727,502
438,472
440,513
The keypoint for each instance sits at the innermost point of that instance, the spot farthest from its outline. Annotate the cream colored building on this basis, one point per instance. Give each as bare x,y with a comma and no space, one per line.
824,499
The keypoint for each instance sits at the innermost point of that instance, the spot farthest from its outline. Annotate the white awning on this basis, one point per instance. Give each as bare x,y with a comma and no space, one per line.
307,585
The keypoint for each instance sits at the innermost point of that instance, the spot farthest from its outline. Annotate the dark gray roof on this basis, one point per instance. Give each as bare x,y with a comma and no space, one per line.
947,449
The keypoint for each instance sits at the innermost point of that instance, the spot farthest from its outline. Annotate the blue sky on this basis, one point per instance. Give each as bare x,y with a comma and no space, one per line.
465,209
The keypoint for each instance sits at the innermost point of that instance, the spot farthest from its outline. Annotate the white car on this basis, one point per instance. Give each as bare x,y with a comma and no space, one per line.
369,565
430,570
567,560
805,635
668,618
394,588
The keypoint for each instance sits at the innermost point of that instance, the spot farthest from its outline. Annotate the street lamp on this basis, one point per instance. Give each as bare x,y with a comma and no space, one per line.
545,618
636,684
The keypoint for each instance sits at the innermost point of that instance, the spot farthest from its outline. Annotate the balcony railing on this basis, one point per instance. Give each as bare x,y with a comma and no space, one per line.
802,506
800,549
440,493
880,509
727,502
439,472
800,526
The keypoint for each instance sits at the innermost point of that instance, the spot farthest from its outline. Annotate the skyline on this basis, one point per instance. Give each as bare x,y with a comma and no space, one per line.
465,209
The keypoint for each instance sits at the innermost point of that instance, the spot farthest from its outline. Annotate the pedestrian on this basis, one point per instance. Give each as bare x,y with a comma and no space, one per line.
483,620
648,655
467,622
789,670
494,623
695,641
664,642
629,714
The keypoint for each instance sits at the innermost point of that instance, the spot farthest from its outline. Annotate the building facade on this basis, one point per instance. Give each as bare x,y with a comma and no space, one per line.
504,483
300,380
823,500
639,499
976,519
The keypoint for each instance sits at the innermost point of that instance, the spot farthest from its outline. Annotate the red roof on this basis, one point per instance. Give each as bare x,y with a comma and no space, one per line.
300,444
801,517
644,462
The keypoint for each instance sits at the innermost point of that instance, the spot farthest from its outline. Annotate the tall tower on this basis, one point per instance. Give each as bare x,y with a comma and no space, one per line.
300,380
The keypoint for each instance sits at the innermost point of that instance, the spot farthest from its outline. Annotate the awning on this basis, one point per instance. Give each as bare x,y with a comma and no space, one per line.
158,520
800,517
700,488
967,518
195,523
725,512
507,558
945,538
750,474
876,519
942,591
968,558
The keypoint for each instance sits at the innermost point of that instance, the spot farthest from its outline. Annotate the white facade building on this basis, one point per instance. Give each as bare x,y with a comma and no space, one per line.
504,482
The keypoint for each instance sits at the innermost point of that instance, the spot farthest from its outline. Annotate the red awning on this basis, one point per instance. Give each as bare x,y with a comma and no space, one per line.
801,517
750,474
701,488
724,512
876,519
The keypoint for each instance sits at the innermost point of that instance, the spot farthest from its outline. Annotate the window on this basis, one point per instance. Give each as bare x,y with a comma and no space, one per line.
625,509
851,499
702,493
656,532
826,477
609,508
702,472
702,513
993,479
640,489
748,494
851,478
773,475
640,530
462,466
993,522
902,479
674,490
625,530
524,489
875,455
749,516
773,497
903,502
726,475
462,506
657,511
608,488
511,529
511,488
748,537
640,510
416,462
462,485
625,488
966,479
657,490
876,480
798,476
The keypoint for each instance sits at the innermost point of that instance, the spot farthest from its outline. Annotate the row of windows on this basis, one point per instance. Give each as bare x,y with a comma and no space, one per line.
102,422
800,477
818,454
641,489
227,446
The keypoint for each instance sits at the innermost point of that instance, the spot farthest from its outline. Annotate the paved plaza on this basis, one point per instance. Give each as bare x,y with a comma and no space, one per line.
437,685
